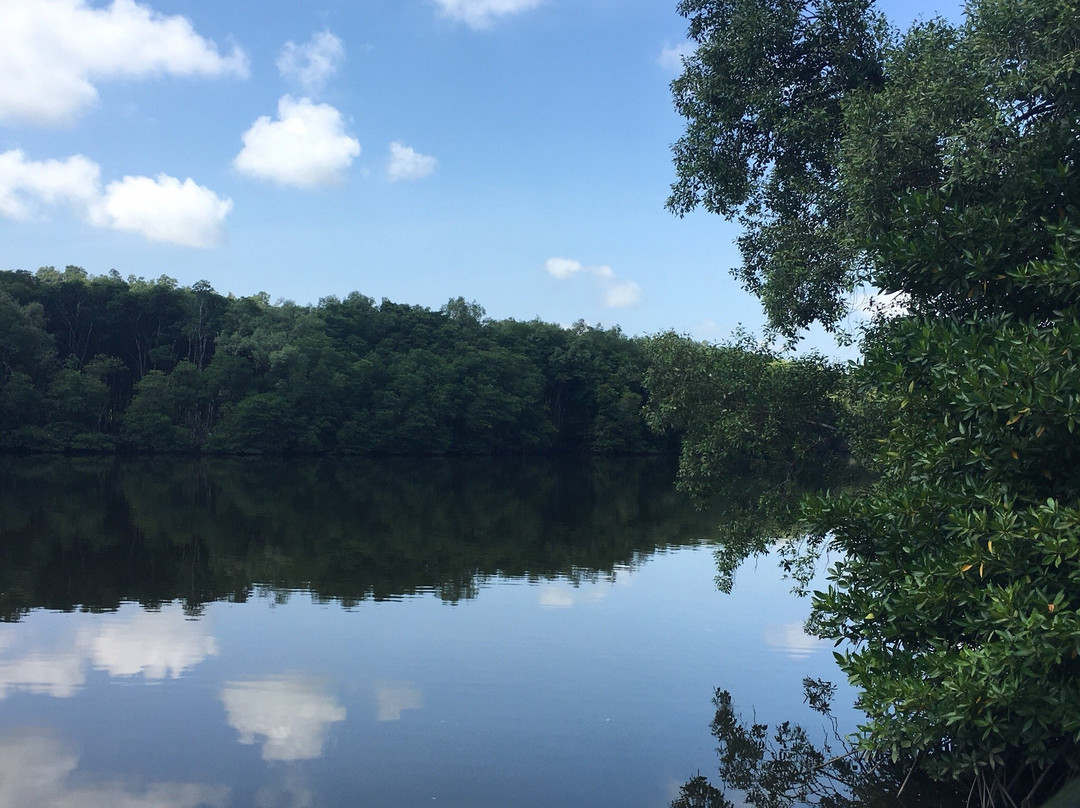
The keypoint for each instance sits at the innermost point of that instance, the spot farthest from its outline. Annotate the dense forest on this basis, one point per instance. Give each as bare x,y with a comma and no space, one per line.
98,363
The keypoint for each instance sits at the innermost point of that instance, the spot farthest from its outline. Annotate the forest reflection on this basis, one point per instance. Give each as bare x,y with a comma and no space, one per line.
92,533
791,766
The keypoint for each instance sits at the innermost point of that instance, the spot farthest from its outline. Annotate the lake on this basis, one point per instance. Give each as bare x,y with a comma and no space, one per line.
438,632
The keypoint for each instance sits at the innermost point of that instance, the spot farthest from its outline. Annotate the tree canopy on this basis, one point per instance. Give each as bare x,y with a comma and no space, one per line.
944,171
98,363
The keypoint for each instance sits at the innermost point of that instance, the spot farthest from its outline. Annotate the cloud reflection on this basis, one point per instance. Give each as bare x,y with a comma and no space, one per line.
290,715
393,698
34,773
792,640
156,644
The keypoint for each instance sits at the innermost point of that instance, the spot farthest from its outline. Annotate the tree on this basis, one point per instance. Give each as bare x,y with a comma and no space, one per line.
764,96
953,180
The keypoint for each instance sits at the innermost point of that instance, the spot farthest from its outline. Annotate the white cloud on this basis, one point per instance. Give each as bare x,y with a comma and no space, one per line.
393,698
290,714
408,164
162,209
53,51
35,769
619,294
156,644
562,267
614,292
306,146
27,185
482,13
312,64
671,56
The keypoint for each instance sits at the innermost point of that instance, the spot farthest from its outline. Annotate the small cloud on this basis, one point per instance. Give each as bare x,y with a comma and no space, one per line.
52,52
408,164
163,209
483,13
620,294
562,267
313,63
305,147
671,56
615,293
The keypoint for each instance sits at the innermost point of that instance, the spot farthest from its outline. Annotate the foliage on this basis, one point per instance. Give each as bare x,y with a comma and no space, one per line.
783,766
88,362
764,95
955,188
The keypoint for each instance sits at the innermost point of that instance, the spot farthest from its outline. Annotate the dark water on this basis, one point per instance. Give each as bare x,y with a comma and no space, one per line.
374,633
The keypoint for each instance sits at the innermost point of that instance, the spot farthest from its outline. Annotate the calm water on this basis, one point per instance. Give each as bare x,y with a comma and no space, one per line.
374,633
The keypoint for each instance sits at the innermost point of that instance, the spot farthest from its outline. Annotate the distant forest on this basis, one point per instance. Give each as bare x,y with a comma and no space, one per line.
99,363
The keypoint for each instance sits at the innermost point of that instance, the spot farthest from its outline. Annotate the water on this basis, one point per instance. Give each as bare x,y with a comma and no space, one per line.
374,633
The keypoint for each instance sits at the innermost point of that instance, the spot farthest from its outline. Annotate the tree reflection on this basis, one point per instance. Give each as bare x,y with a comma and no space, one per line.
784,766
92,533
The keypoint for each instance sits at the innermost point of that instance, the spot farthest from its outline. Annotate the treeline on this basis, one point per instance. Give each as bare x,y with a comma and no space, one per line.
97,363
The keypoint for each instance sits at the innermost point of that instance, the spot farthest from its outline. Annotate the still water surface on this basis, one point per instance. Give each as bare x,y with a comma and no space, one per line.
374,633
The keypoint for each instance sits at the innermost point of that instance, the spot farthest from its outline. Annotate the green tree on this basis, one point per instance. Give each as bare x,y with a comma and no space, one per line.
764,94
955,179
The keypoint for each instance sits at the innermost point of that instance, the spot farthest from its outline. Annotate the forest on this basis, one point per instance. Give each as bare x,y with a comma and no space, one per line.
100,363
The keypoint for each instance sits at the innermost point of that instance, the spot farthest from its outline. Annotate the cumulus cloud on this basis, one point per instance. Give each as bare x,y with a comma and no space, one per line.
28,186
408,164
312,64
671,56
53,51
163,209
290,714
36,772
483,13
614,293
306,146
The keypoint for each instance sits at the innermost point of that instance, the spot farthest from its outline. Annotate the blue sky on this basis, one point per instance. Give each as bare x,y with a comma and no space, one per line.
514,152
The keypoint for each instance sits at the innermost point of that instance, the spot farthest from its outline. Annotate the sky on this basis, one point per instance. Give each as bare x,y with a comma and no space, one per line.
511,152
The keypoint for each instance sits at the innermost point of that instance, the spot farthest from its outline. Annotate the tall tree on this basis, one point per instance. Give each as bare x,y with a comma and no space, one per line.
954,179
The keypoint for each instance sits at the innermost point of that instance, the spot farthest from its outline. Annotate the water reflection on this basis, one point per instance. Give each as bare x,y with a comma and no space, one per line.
788,765
791,639
155,644
36,771
93,533
288,715
394,698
